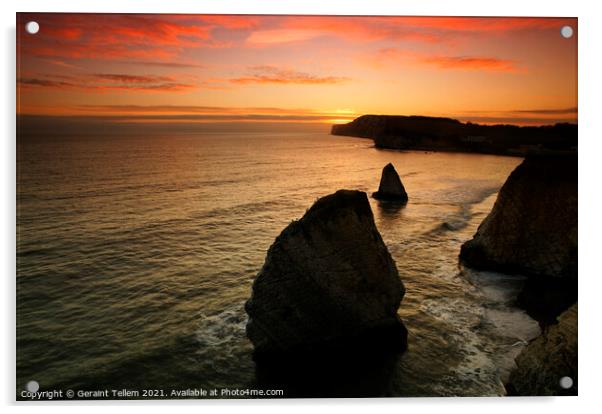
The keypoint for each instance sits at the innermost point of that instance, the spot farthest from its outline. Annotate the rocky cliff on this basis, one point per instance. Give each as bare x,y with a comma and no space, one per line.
532,230
446,134
328,282
547,359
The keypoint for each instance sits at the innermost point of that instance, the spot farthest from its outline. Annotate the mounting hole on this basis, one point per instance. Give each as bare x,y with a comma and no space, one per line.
567,33
32,27
566,382
32,386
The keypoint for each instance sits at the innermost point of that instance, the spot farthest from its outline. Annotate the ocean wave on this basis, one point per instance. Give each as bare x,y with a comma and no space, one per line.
219,332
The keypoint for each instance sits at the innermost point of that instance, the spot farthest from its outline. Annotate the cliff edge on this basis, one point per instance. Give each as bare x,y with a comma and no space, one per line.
532,231
446,134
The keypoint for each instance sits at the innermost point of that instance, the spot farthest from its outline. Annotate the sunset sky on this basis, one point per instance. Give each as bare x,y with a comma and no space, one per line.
296,68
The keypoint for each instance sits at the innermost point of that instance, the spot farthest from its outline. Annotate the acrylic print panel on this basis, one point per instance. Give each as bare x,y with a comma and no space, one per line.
246,206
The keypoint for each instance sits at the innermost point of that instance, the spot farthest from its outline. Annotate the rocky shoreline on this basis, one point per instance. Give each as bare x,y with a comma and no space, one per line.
329,290
547,360
532,231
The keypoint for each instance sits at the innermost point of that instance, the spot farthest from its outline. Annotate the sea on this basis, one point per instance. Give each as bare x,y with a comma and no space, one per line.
137,248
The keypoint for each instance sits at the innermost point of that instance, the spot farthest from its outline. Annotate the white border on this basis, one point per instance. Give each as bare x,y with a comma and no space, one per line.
590,136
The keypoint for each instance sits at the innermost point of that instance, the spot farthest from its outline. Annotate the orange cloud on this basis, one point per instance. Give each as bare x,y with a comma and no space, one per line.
108,82
188,118
536,116
188,109
160,64
554,111
480,63
272,74
471,63
132,78
46,83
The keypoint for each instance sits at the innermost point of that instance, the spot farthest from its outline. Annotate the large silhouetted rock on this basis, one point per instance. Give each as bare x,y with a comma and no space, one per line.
390,188
547,359
446,134
532,230
328,283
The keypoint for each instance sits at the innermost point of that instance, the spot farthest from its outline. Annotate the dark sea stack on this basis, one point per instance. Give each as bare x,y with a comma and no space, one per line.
323,309
547,359
390,188
327,280
532,230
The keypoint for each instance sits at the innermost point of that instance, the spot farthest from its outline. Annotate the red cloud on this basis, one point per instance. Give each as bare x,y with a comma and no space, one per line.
486,24
70,33
111,36
368,28
272,74
228,21
359,28
165,37
177,65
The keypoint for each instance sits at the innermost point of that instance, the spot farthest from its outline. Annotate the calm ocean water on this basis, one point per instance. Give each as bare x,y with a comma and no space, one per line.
136,252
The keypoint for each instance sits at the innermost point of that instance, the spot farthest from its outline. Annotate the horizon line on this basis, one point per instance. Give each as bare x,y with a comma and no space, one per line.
331,119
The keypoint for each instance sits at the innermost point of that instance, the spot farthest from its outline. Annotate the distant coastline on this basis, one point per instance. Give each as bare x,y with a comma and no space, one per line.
446,134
